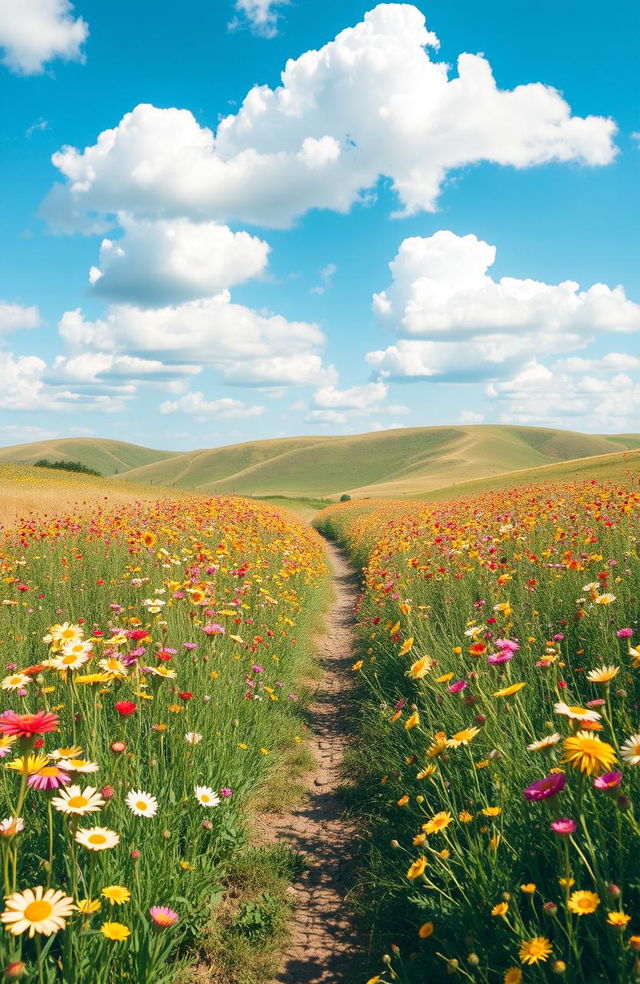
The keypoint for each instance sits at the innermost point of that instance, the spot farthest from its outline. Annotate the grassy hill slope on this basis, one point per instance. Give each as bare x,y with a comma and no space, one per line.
407,461
107,457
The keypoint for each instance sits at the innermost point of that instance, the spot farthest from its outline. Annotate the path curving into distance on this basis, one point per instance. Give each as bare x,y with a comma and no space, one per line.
324,948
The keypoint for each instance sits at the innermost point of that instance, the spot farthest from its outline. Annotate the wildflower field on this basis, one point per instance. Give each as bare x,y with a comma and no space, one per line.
498,775
151,655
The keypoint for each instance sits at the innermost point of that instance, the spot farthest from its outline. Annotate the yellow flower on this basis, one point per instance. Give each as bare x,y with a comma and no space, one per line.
426,930
420,668
358,664
603,674
500,909
512,976
491,811
403,800
438,822
509,691
588,753
115,931
583,903
116,894
417,868
444,678
618,919
406,646
412,721
427,772
88,906
529,888
465,817
462,737
535,950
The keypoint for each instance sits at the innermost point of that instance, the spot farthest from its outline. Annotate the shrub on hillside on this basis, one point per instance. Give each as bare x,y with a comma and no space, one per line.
73,466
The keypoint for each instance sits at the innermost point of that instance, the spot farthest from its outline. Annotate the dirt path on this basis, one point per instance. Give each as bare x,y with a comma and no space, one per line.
323,946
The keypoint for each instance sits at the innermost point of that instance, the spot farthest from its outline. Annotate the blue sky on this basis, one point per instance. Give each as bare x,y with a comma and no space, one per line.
235,298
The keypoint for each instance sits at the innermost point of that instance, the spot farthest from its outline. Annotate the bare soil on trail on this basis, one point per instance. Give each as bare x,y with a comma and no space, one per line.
324,947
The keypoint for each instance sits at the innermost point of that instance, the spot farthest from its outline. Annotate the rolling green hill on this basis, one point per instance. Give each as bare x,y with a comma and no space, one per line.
409,461
107,457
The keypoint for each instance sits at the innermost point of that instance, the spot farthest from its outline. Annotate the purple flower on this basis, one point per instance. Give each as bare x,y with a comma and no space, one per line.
257,669
189,645
456,688
624,633
543,789
225,791
609,780
212,628
563,826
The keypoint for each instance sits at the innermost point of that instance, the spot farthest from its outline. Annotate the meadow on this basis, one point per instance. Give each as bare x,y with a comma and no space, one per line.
497,766
152,653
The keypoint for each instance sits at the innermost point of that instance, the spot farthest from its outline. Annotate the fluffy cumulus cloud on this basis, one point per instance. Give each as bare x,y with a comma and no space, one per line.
260,15
247,348
542,395
34,32
370,103
456,323
16,317
198,406
156,262
25,388
337,406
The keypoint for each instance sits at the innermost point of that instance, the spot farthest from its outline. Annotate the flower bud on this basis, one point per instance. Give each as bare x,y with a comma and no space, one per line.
623,803
395,845
135,855
473,959
15,970
558,967
614,891
118,747
107,792
550,908
206,825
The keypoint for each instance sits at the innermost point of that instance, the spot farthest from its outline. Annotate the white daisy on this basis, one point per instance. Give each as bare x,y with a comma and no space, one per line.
78,801
142,804
543,743
16,681
630,750
576,713
193,738
206,796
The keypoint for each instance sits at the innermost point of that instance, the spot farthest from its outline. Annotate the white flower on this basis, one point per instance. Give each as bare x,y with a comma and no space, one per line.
192,738
142,804
10,827
15,682
576,713
78,801
78,765
543,743
630,750
605,599
206,796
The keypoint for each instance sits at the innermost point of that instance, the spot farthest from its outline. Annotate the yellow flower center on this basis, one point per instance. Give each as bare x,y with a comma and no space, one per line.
38,911
97,839
77,802
141,805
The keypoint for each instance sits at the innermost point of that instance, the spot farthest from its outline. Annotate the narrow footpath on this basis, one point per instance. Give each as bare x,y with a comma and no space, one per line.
324,947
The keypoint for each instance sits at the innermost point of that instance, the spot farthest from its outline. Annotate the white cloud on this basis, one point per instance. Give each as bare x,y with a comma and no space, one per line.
471,417
326,417
260,15
157,262
538,395
16,317
457,323
34,32
355,398
246,347
370,103
198,406
24,387
326,279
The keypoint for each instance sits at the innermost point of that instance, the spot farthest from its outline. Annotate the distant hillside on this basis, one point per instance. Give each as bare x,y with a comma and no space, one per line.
104,456
409,461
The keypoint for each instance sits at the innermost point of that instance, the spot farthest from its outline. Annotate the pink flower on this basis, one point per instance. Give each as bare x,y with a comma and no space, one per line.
624,633
456,688
28,725
502,657
163,916
508,644
49,777
609,780
563,826
545,788
226,792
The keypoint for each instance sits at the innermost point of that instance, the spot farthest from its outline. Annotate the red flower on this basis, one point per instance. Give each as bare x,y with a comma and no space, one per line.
27,725
185,695
125,708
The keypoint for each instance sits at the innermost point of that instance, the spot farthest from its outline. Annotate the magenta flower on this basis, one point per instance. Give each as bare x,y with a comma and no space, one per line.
563,826
456,688
49,777
508,644
609,780
212,628
543,789
189,645
624,633
225,791
502,657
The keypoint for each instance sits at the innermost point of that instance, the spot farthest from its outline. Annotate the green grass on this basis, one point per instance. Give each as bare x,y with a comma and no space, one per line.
105,456
412,461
